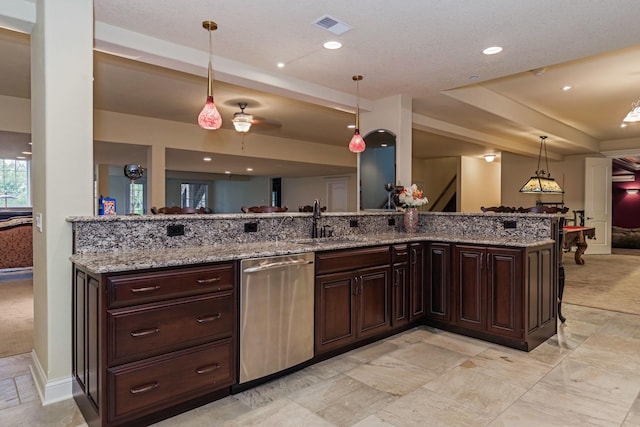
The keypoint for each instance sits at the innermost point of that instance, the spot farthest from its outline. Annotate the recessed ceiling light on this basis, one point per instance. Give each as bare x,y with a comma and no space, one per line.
489,157
351,126
280,64
249,169
566,88
26,152
381,131
206,159
623,125
492,50
30,143
384,145
474,77
227,172
21,157
332,45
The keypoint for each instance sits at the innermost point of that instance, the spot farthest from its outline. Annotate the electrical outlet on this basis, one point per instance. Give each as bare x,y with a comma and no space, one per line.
353,223
510,224
250,227
175,230
392,221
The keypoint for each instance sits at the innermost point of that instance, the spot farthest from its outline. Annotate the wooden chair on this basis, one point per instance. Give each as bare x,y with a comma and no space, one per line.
263,209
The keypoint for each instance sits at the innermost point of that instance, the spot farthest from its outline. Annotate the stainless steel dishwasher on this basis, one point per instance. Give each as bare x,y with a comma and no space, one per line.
276,314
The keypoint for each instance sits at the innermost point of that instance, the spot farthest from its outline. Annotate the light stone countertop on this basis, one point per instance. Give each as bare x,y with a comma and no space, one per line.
120,261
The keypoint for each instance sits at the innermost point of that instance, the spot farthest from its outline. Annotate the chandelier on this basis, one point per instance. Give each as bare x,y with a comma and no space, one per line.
542,181
241,120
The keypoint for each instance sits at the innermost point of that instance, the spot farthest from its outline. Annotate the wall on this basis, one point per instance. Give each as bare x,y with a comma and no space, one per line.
230,196
433,175
302,191
626,207
480,184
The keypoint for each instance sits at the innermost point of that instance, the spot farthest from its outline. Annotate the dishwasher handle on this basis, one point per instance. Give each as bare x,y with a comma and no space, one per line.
277,264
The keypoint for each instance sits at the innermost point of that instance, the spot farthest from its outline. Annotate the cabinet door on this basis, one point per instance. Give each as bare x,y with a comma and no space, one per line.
468,288
400,295
372,289
504,292
438,285
417,281
335,311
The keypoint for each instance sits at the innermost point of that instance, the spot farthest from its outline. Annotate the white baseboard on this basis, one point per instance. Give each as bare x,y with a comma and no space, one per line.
49,391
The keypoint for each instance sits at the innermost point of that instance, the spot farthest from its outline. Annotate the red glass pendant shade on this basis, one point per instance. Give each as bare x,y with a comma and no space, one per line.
209,117
357,145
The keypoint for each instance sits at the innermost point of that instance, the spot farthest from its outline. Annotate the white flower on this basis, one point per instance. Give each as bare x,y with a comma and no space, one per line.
412,197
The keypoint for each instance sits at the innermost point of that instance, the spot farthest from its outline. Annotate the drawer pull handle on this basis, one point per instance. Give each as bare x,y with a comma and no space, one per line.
205,281
145,289
144,388
144,332
209,318
207,369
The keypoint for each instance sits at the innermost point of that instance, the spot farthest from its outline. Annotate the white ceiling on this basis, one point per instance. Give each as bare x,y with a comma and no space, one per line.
425,49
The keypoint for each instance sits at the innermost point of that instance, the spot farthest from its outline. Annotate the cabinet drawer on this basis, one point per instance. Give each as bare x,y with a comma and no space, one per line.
139,388
400,253
154,329
350,259
155,286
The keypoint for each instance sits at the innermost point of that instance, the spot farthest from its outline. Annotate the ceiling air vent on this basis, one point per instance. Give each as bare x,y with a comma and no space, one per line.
332,25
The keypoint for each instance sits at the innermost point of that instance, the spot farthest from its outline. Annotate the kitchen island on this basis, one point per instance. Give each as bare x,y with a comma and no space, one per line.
488,276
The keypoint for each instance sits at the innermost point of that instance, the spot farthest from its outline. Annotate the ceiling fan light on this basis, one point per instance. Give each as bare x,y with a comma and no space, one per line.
242,122
209,117
634,114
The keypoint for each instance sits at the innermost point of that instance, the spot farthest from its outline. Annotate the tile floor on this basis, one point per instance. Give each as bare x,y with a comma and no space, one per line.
587,375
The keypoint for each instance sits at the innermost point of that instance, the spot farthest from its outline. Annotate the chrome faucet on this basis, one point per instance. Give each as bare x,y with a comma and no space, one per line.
316,217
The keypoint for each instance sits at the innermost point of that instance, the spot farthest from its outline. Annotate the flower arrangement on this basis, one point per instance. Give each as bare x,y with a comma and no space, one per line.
411,197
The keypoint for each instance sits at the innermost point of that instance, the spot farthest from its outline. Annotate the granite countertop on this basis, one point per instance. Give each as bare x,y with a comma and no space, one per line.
119,261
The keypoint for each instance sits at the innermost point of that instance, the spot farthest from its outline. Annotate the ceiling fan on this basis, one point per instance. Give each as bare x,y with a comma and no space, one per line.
242,122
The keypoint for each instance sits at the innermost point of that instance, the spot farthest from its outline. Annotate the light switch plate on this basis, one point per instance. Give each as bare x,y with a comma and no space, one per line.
39,221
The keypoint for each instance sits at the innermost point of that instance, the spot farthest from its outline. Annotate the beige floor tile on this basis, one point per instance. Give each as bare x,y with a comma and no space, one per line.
424,407
429,356
371,351
622,324
633,417
8,394
279,388
14,365
372,421
342,400
27,391
391,375
331,367
210,415
490,395
281,413
33,414
613,352
513,366
458,343
573,407
527,414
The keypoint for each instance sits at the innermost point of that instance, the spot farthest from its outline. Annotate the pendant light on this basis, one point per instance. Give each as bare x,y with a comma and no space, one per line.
542,181
209,117
357,145
634,114
242,121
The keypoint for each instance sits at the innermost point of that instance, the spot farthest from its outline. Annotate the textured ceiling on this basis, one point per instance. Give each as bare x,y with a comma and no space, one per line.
425,49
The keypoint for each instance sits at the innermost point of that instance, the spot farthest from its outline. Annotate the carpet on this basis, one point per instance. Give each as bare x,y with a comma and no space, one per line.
16,316
610,282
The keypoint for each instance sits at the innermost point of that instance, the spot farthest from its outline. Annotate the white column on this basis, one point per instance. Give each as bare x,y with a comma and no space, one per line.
156,176
393,114
62,175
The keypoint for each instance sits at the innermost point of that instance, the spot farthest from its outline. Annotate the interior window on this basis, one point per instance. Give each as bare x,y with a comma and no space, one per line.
193,195
15,185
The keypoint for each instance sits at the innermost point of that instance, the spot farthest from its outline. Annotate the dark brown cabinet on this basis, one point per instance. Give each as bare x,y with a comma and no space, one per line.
400,298
438,281
147,344
504,295
417,282
352,296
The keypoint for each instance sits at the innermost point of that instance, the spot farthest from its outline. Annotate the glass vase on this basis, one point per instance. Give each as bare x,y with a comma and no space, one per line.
411,220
